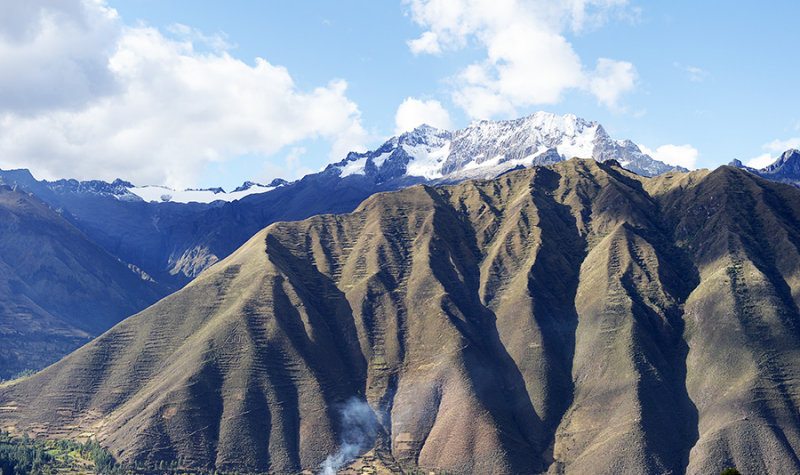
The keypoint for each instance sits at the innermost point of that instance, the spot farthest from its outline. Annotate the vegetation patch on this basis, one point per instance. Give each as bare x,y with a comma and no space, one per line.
22,456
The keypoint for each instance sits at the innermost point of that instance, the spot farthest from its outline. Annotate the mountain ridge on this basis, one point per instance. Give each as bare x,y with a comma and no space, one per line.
487,148
566,318
58,288
173,241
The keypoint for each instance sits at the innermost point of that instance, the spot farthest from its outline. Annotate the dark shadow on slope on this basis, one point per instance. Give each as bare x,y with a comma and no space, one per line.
496,380
668,412
754,237
553,285
323,300
333,354
192,432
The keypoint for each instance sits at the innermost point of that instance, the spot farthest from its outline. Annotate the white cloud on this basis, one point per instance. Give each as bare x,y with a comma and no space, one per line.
55,54
99,100
761,161
611,79
780,146
528,59
414,112
216,43
291,169
427,43
773,150
680,155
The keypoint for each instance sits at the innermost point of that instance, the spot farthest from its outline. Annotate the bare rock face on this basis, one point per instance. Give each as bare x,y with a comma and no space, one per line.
573,318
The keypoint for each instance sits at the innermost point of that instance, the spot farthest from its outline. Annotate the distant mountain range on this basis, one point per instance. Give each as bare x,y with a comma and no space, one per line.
487,149
174,235
568,318
786,169
58,289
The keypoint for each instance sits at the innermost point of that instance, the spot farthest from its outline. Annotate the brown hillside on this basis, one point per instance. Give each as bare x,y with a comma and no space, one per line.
574,318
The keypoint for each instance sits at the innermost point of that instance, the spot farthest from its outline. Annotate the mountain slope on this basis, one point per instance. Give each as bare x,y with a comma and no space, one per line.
742,321
57,288
572,318
174,241
786,169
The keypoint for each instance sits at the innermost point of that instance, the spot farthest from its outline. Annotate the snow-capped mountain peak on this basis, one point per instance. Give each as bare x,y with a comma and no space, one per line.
487,148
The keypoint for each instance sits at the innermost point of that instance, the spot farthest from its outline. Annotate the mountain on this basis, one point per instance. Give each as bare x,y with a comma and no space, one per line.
486,149
57,288
570,318
137,232
786,169
174,235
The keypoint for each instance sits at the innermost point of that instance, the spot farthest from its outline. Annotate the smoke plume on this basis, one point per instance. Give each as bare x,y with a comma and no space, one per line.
359,430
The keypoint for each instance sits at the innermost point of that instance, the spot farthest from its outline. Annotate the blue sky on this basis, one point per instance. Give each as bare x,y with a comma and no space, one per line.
201,93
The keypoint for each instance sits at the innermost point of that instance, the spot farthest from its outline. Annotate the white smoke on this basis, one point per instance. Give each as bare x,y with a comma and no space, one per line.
359,430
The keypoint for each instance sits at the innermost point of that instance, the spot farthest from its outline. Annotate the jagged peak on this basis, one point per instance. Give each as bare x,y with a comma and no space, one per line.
422,134
569,123
791,154
789,157
251,184
246,186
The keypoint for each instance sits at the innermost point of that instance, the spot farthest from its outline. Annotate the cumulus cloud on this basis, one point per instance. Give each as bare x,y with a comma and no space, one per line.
680,155
414,112
611,79
96,99
528,60
55,54
427,43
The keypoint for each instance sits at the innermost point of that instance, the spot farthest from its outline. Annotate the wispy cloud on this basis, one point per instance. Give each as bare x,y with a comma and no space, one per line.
217,42
695,74
780,146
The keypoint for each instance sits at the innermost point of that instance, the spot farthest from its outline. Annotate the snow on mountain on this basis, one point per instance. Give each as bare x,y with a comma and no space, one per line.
484,149
162,193
428,159
487,148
